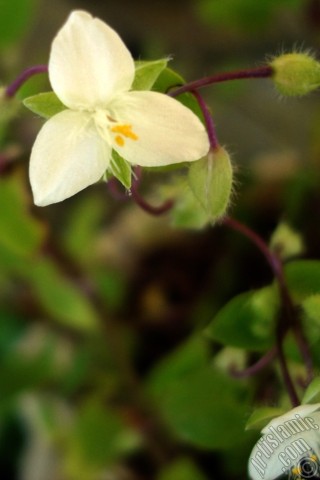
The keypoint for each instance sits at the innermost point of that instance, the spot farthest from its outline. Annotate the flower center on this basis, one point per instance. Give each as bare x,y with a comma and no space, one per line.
123,131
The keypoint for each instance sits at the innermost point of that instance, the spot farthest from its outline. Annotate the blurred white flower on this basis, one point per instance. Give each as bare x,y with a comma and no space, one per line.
289,447
91,71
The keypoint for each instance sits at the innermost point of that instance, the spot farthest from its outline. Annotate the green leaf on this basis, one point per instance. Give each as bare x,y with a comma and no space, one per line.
311,308
44,104
182,469
121,169
204,408
312,393
200,404
147,73
210,179
20,234
303,278
247,321
262,416
191,356
95,433
60,298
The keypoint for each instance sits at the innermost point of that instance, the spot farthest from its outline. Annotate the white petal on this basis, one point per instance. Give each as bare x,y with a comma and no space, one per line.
89,63
67,156
167,131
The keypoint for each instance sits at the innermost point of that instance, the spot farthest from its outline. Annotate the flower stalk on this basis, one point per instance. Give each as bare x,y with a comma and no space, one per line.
259,72
12,89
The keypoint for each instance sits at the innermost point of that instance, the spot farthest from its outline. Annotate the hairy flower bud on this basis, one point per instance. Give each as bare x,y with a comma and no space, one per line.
296,74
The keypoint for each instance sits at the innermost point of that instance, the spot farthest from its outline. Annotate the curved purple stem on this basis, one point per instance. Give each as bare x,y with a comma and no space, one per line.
212,134
159,210
259,365
12,89
287,318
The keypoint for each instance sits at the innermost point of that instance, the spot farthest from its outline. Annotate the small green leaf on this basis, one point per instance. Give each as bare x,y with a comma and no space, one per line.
44,104
121,169
262,416
60,298
312,393
147,73
303,278
247,321
210,179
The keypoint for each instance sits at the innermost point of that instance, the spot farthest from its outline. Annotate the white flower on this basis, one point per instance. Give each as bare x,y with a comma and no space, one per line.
289,447
91,71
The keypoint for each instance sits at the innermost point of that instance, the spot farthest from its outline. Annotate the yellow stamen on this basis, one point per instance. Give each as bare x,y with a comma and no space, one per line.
125,130
119,140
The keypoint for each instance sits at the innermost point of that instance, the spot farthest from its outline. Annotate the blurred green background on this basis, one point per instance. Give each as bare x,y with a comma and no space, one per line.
105,372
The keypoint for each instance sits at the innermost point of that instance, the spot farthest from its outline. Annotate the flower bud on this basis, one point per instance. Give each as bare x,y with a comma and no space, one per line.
210,180
296,74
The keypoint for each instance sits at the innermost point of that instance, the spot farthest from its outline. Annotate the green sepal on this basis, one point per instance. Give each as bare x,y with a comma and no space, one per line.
210,180
262,416
187,211
44,104
147,73
121,169
167,81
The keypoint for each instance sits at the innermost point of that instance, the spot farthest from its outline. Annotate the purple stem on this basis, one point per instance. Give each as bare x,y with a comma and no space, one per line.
152,210
259,72
212,134
259,365
12,89
165,207
288,318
